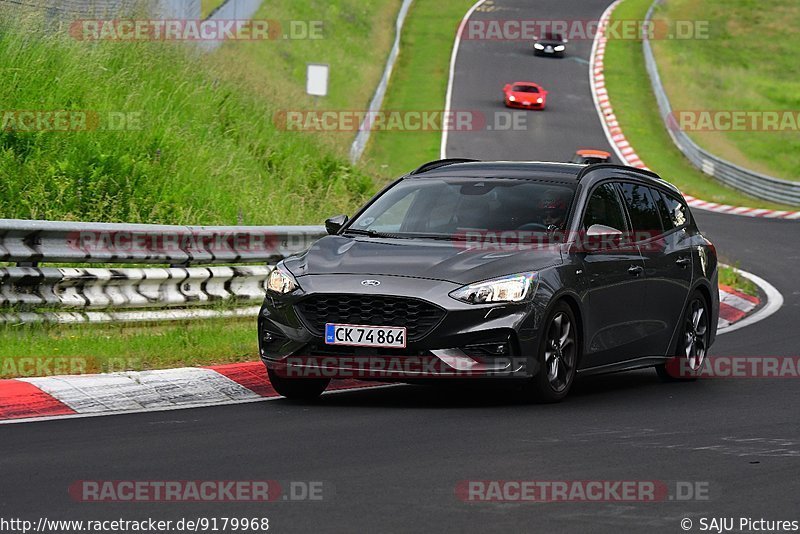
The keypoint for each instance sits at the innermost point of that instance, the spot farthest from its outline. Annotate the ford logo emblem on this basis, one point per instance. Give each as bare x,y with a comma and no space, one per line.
371,283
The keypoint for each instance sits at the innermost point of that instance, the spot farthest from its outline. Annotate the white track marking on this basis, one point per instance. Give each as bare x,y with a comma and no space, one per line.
182,407
453,58
621,146
773,304
145,390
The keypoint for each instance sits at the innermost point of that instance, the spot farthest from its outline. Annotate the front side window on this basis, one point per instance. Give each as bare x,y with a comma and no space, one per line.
604,208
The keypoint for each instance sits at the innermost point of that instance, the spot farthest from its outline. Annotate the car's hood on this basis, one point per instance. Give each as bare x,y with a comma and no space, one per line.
452,261
526,96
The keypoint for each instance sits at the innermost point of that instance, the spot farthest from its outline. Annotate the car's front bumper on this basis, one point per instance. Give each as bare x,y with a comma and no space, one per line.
468,341
519,105
550,52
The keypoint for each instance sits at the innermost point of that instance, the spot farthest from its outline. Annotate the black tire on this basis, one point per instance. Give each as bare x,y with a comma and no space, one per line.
558,356
692,344
305,389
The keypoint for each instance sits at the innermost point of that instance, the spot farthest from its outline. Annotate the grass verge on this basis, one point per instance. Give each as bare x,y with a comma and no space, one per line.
730,276
748,63
353,37
208,6
199,145
635,107
419,83
37,350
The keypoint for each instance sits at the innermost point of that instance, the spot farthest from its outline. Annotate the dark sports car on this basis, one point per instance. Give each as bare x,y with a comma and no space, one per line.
530,272
550,44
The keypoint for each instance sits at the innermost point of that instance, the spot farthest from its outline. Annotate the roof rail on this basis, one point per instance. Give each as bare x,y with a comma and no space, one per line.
594,166
441,163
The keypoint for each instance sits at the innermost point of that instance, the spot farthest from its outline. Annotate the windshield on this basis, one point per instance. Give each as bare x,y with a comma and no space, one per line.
450,207
525,89
552,37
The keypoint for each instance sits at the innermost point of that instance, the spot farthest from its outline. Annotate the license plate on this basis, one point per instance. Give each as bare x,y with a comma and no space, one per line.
365,336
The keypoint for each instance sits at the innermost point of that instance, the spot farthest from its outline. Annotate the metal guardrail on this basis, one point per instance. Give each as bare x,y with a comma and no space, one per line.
745,180
34,294
375,105
29,243
230,10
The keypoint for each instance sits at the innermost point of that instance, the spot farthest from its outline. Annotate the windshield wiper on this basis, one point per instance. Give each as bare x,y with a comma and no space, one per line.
372,233
409,235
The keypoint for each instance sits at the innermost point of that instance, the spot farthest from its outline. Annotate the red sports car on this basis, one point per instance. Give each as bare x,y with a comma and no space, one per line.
525,95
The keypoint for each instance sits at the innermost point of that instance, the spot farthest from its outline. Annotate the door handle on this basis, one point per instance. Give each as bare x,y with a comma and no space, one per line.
635,270
683,261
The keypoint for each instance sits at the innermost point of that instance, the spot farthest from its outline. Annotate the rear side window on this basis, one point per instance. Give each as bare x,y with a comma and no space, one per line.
663,211
604,208
677,212
642,208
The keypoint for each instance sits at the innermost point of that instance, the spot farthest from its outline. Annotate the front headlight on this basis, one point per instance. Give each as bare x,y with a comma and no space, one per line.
538,46
539,100
281,281
511,98
513,288
559,48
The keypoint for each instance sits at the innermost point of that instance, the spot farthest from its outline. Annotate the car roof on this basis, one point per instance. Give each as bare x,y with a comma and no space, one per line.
570,174
525,83
541,170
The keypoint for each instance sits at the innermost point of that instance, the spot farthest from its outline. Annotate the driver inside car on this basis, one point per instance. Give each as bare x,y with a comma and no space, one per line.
553,211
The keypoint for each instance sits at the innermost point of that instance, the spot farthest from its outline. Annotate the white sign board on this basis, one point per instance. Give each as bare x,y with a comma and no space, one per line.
317,79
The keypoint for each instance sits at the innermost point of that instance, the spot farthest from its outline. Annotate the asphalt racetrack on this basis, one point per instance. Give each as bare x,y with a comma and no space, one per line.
390,459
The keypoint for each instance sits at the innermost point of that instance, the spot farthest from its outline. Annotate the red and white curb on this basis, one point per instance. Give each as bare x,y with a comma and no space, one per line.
36,399
625,152
734,305
736,308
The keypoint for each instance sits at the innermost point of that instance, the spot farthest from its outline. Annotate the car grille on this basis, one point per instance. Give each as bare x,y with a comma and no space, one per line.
418,316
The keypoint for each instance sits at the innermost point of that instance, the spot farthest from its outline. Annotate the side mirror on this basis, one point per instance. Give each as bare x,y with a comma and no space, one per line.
334,224
601,230
507,87
600,237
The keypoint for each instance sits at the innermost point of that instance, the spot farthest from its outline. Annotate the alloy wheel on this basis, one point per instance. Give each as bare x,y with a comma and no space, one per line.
560,350
695,330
